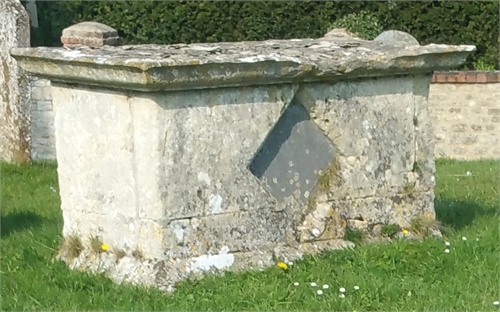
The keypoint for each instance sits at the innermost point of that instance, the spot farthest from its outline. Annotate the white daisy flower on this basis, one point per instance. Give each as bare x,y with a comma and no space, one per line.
447,250
356,287
296,284
319,291
313,284
342,296
447,243
325,286
342,289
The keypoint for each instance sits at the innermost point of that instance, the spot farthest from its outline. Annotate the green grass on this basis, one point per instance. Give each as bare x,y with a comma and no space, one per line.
404,276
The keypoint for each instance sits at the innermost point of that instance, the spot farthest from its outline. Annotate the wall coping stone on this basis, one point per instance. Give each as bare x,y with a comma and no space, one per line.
196,66
476,76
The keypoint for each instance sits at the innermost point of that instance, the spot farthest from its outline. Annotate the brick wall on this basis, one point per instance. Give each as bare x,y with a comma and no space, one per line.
466,110
465,107
42,120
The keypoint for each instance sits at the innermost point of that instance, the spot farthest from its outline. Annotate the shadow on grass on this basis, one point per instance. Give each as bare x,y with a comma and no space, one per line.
19,221
459,214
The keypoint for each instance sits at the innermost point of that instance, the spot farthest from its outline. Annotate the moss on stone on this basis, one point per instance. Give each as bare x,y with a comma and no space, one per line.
416,167
389,230
409,189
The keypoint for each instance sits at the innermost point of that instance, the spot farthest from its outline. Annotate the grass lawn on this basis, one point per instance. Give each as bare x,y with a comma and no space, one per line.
404,276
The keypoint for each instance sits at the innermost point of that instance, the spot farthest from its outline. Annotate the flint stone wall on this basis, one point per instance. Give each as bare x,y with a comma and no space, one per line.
14,84
230,155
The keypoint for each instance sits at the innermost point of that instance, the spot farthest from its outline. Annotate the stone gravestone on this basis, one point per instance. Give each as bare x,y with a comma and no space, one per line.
14,84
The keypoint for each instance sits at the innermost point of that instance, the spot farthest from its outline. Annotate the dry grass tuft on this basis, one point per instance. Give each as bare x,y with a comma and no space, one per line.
72,247
137,253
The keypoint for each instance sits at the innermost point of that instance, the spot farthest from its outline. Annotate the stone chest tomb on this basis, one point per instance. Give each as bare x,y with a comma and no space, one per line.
189,158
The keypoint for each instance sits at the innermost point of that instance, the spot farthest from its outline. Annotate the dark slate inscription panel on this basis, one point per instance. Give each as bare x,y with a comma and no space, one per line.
292,155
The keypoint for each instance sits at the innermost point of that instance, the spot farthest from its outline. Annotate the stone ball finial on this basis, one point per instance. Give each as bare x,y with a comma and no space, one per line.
397,36
91,34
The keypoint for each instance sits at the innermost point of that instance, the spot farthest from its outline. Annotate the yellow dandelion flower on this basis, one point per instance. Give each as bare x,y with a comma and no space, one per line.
282,265
104,247
405,232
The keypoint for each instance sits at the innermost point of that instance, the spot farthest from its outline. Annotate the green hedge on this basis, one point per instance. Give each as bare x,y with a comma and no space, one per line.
192,21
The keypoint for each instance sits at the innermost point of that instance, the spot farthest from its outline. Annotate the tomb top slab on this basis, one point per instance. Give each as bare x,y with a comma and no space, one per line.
195,66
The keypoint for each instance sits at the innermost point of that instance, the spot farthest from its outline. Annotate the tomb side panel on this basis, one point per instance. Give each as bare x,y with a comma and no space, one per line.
370,123
95,154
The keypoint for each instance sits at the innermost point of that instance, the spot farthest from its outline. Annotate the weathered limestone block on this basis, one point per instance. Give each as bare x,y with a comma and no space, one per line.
228,156
14,84
91,34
